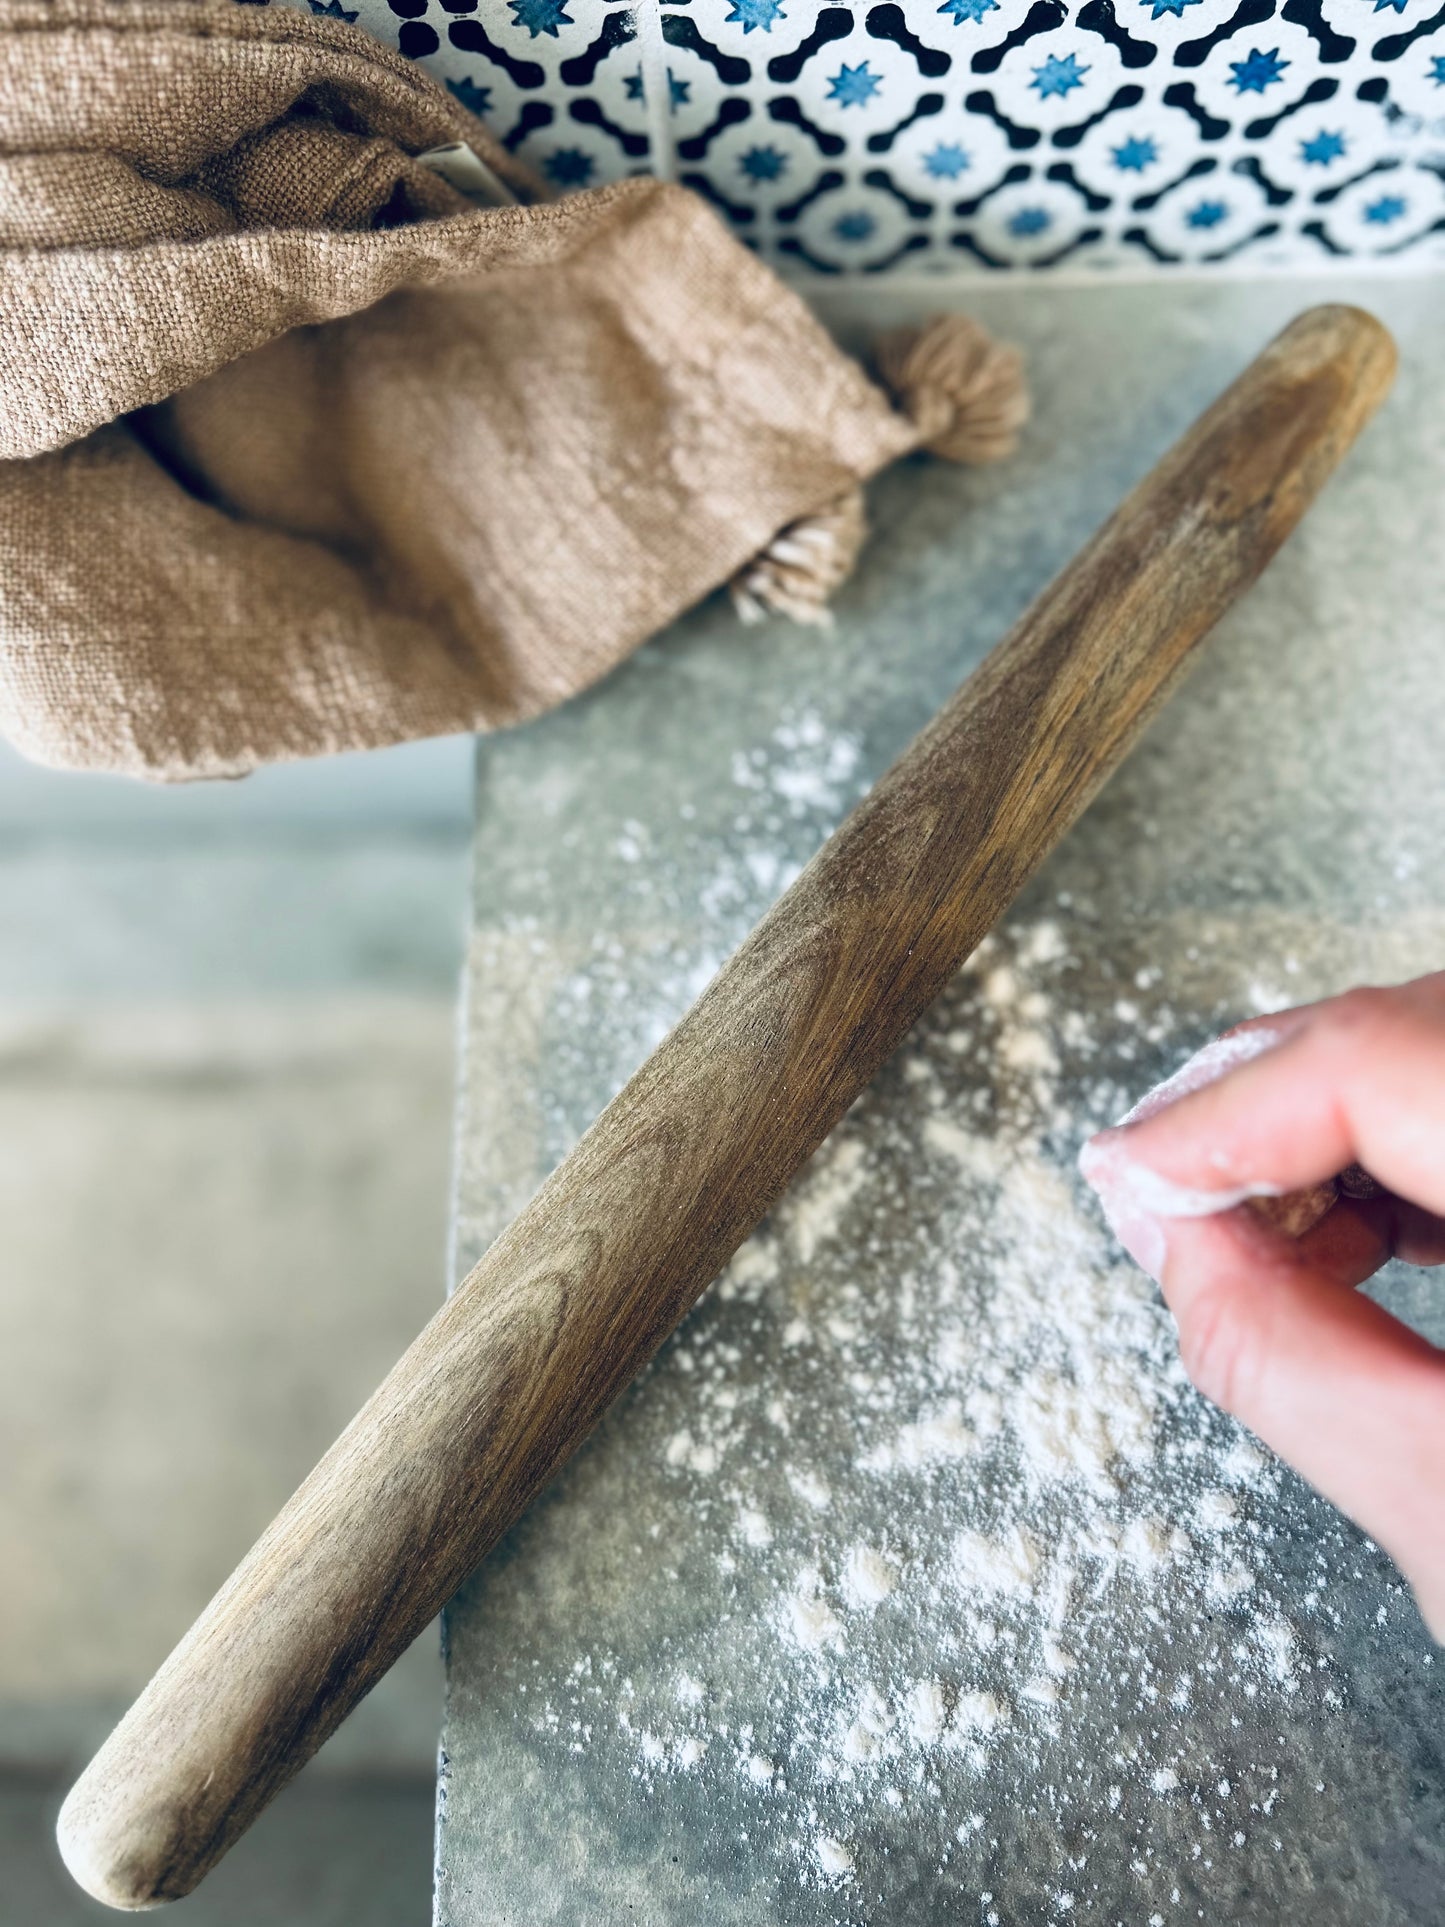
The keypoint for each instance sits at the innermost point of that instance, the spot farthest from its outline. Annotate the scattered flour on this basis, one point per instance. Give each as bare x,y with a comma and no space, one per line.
755,1528
811,1620
868,1577
833,1857
925,1441
926,1711
980,1712
1010,1564
839,1173
811,1487
982,1553
1224,1583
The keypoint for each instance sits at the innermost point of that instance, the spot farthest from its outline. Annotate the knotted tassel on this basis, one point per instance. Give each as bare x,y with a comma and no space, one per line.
964,393
802,566
963,390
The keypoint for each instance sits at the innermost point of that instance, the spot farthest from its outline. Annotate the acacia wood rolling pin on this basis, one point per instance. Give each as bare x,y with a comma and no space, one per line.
575,1297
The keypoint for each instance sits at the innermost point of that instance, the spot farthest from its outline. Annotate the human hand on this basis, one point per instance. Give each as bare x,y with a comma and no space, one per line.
1271,1326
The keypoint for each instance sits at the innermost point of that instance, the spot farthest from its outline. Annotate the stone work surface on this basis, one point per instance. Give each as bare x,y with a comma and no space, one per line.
226,1061
913,1583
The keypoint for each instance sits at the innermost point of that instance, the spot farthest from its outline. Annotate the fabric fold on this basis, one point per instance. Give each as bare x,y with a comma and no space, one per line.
303,452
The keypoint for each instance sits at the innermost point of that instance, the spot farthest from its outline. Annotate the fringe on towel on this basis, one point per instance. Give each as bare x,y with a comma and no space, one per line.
801,567
965,394
963,391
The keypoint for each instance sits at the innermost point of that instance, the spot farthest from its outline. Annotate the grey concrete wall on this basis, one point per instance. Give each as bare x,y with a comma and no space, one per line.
226,1075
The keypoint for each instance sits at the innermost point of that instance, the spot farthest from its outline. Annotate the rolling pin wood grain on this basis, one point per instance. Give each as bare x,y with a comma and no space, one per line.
574,1298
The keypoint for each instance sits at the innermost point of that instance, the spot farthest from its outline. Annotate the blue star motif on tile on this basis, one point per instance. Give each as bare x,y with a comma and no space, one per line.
854,86
1174,7
946,161
333,10
1058,76
540,16
1029,221
856,225
1208,214
475,99
973,10
763,164
569,167
1321,148
1388,208
1258,71
678,91
756,13
1135,154
1398,5
1437,70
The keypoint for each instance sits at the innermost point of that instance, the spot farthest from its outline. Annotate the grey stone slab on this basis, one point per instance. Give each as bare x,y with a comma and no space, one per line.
328,1854
422,787
341,871
267,917
220,1223
913,1583
227,1053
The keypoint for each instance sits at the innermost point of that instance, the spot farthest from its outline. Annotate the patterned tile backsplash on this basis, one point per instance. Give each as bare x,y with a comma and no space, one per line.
978,135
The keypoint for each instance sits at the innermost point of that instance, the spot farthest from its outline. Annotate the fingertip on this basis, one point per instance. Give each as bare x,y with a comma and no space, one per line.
1111,1164
1091,1154
1137,1230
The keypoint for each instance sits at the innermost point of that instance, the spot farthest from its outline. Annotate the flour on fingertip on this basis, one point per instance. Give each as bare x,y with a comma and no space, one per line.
1217,1059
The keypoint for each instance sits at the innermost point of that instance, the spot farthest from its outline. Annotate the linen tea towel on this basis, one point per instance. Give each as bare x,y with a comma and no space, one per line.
302,451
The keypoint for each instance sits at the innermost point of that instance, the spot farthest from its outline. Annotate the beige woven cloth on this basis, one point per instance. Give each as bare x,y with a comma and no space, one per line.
300,451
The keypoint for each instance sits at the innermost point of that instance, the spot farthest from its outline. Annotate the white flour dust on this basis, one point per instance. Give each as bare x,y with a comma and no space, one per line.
969,1543
789,790
1005,1378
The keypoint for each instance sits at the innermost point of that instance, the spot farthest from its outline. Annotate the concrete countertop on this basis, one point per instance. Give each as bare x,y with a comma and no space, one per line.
913,1583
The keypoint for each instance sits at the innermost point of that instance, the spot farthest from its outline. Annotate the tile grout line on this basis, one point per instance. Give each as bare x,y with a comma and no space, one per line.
917,281
656,88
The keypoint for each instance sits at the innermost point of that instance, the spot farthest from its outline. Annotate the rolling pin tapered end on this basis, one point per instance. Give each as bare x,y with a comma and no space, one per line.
1355,343
1361,334
109,1871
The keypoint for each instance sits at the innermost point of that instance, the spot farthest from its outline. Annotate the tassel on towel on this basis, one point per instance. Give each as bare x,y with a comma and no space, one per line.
963,391
802,566
965,394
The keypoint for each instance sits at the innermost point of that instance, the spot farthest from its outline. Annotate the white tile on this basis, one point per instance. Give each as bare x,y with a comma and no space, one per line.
1079,99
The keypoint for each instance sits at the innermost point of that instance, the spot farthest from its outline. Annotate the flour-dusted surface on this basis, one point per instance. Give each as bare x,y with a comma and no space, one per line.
913,1583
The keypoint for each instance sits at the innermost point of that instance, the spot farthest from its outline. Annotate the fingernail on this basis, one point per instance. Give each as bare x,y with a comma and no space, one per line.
1143,1238
1137,1229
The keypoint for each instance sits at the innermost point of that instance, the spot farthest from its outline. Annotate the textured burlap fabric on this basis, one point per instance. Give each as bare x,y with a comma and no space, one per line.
300,451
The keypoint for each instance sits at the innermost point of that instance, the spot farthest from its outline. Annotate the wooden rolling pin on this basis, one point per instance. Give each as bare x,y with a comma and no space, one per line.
575,1297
